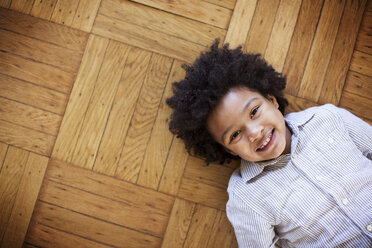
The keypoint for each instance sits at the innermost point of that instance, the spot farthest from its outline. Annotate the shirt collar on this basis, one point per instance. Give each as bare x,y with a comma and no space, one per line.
295,121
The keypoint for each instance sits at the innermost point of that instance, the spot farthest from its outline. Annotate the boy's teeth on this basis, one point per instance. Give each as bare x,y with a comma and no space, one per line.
266,141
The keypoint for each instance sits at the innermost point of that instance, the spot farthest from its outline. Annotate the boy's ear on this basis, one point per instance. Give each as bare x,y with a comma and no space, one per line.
273,100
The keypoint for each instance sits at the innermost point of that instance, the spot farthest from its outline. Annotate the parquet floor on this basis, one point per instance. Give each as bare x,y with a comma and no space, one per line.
86,159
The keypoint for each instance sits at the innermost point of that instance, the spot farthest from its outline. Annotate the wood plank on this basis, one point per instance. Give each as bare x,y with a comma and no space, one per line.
240,23
40,51
43,236
90,228
342,51
85,14
174,167
29,117
321,50
358,105
102,208
35,72
358,84
161,138
10,178
143,118
23,6
43,8
261,27
64,12
205,184
122,111
160,21
297,104
110,188
3,151
26,138
281,35
222,234
302,39
179,223
43,30
361,63
364,39
100,105
25,201
230,4
201,227
5,3
80,98
33,95
196,10
146,39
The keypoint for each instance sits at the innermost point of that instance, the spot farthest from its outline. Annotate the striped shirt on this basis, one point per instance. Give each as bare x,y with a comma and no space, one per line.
319,195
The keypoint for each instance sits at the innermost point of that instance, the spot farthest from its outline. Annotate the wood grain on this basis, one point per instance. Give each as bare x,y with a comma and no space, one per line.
43,8
146,39
10,178
240,23
223,3
100,105
364,39
361,63
102,208
298,104
342,51
358,84
284,24
26,138
41,51
43,236
35,72
161,138
25,200
160,21
198,10
91,228
261,27
108,187
201,227
122,111
3,151
321,50
23,6
85,14
43,30
301,42
143,118
5,3
29,117
80,98
358,105
179,223
64,12
222,234
33,95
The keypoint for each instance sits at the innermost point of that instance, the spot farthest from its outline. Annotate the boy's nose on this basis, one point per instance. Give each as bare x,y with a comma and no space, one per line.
253,132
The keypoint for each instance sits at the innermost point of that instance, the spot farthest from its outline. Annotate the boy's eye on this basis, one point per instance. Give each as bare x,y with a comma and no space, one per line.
234,135
254,111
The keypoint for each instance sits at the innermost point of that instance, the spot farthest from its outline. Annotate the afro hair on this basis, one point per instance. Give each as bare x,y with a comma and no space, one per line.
207,81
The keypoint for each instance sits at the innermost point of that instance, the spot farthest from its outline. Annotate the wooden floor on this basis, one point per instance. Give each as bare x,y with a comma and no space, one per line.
86,159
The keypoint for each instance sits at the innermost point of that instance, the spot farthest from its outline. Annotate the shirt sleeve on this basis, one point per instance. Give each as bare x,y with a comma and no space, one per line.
251,229
359,131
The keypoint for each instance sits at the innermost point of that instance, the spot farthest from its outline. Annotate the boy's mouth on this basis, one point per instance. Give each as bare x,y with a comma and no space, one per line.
265,142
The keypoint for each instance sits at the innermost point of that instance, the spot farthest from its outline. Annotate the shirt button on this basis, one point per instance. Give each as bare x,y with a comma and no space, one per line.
369,228
345,201
319,178
294,155
330,140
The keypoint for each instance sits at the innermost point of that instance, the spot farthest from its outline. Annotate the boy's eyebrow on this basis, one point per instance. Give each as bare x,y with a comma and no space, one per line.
245,107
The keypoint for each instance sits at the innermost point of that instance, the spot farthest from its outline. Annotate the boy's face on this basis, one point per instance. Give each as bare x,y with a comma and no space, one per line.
249,125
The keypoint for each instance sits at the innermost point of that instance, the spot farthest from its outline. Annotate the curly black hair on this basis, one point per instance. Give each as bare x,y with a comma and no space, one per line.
207,81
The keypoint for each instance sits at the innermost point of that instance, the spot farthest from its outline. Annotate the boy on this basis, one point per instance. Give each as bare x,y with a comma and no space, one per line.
305,179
